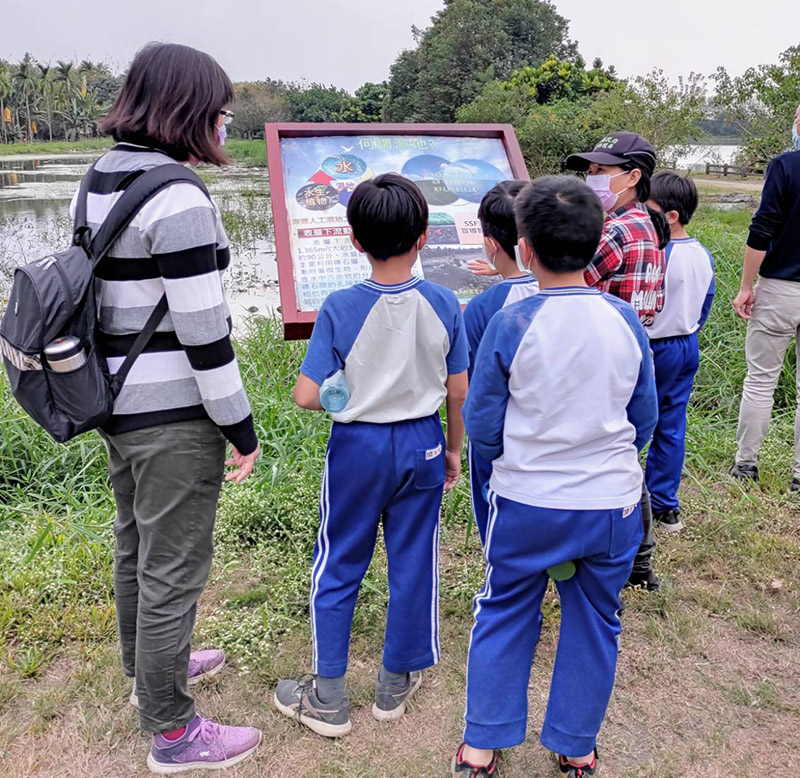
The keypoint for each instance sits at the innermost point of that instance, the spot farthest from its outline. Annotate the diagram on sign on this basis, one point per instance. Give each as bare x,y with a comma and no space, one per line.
321,174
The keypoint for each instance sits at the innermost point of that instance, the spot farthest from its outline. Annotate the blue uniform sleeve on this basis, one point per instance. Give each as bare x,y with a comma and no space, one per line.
487,399
712,290
642,408
322,358
475,321
485,409
458,356
771,215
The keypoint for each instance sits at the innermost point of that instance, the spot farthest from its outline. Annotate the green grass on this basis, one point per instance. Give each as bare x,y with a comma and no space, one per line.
248,153
729,600
56,147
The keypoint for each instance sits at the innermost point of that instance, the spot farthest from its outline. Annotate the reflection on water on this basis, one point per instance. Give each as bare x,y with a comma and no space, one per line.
35,193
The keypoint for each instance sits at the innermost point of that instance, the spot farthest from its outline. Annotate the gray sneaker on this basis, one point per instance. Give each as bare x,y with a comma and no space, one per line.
391,699
298,700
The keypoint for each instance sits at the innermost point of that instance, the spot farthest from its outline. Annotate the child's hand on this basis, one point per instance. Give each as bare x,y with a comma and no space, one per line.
452,460
480,267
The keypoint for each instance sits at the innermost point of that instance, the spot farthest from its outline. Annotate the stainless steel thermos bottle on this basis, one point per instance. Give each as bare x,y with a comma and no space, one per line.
65,354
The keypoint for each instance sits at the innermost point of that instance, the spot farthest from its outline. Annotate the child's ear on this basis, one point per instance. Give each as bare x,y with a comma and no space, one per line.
673,217
356,245
526,252
423,239
491,246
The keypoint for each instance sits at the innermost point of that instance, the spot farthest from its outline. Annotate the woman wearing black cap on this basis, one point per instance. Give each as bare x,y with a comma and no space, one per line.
630,260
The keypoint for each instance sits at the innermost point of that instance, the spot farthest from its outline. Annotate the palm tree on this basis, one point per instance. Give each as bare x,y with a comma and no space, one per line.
65,82
25,78
47,92
5,92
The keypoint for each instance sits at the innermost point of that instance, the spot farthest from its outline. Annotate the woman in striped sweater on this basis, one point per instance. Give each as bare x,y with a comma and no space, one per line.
182,402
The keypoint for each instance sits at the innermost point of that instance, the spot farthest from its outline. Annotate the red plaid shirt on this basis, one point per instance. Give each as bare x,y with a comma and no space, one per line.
628,262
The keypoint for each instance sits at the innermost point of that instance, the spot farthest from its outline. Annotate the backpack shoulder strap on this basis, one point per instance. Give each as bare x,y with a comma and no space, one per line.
80,228
140,192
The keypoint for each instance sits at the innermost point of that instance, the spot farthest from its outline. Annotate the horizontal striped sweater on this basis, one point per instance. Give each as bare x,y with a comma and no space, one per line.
175,245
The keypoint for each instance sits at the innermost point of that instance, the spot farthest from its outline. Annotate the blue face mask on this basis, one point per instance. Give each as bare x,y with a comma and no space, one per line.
795,137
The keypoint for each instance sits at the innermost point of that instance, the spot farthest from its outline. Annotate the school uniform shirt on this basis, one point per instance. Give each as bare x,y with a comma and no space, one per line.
628,262
689,289
397,345
480,309
175,245
562,399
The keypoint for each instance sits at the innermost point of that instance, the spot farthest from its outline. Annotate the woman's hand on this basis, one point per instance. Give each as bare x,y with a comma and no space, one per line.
743,302
480,267
244,464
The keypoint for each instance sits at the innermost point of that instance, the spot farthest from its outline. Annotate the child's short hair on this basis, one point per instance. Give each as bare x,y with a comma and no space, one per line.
496,214
672,192
562,219
387,214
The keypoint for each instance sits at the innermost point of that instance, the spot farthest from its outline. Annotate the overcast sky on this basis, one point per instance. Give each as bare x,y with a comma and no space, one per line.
347,42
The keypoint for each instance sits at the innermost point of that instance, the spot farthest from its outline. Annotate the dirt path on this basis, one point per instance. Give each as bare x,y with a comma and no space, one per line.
733,184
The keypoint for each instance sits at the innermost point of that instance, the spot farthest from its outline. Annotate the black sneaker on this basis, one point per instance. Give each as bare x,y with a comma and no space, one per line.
795,486
669,520
464,769
572,770
298,700
646,580
745,473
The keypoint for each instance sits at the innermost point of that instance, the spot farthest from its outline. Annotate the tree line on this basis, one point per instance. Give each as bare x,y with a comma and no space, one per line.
488,61
53,102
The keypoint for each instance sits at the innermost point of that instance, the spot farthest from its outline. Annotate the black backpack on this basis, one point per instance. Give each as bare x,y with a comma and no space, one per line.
55,297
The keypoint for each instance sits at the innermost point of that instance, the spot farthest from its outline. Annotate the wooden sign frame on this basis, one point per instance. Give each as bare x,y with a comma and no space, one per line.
298,324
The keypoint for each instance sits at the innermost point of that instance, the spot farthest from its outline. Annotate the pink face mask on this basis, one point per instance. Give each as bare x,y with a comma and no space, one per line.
601,185
223,133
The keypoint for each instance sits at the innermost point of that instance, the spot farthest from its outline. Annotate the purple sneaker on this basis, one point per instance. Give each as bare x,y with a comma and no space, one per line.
205,745
202,666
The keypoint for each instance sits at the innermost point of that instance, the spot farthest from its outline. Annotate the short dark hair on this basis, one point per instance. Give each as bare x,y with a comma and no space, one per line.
562,219
672,192
387,214
496,214
171,100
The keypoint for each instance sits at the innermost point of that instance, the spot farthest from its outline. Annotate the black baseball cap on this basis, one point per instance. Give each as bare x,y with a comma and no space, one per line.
617,148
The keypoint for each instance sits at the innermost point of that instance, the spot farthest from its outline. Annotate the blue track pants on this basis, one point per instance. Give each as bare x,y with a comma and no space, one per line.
676,361
521,543
393,472
480,472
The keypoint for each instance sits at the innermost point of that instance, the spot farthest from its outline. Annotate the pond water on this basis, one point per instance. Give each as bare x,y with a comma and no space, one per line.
34,203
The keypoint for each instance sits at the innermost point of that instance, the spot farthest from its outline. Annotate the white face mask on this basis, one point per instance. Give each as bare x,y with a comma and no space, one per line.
490,260
520,266
600,184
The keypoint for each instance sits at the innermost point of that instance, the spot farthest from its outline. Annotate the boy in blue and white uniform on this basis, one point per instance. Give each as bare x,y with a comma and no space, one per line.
562,400
400,341
689,289
496,214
